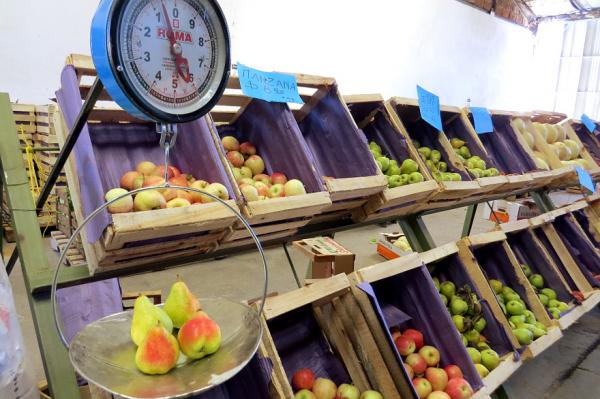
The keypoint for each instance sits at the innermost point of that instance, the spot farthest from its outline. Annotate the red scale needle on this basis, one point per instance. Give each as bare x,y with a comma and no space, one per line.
181,63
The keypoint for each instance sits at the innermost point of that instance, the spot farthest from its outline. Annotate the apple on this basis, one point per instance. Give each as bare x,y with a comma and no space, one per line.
537,280
262,178
235,158
515,308
472,336
279,178
438,395
237,174
430,354
153,181
416,336
247,148
405,345
395,333
458,306
453,371
123,205
347,391
148,200
230,143
276,191
246,172
482,370
496,286
409,371
550,293
475,354
255,163
324,388
526,269
247,180
417,362
294,187
305,394
459,322
437,377
249,192
198,185
128,179
178,203
303,379
422,386
263,189
490,359
160,171
459,388
145,168
448,289
480,324
371,395
216,189
180,180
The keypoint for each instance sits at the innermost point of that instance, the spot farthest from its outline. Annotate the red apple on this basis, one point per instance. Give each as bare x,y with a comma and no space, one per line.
416,361
278,178
128,179
395,333
262,178
303,379
438,395
459,388
198,185
294,187
160,171
416,336
405,345
437,377
246,172
276,191
145,167
236,158
422,386
430,354
180,180
409,371
230,143
263,189
153,181
247,148
324,388
249,192
453,371
256,164
347,391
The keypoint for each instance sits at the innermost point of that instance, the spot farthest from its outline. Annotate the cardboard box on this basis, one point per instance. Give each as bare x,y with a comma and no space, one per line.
507,211
387,249
327,257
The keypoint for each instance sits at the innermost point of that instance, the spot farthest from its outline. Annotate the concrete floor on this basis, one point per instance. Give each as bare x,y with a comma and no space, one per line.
575,358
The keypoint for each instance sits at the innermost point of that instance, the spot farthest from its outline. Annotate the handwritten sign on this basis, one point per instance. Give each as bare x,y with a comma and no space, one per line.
482,119
585,179
268,86
429,106
588,122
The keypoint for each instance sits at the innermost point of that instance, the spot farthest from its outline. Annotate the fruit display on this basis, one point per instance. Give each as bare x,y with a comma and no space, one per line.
160,334
467,315
396,175
474,164
436,164
308,386
147,174
422,363
248,171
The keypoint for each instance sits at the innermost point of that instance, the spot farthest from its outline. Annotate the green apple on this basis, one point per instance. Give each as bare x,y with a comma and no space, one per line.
543,299
517,319
384,162
394,181
493,172
376,154
472,336
503,306
500,298
393,170
455,177
490,359
476,173
537,280
464,340
526,269
409,166
482,346
481,165
459,322
554,312
471,164
529,316
480,324
496,285
430,165
553,303
511,296
515,308
444,299
404,180
442,166
550,293
464,152
485,173
563,307
475,355
482,370
524,336
458,307
436,282
448,289
415,177
435,156
393,162
374,146
540,326
506,289
425,152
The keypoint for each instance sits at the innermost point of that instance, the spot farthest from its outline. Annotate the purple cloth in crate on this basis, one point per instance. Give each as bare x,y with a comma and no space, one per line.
271,127
300,343
589,141
382,132
584,222
82,304
528,252
550,248
585,251
338,147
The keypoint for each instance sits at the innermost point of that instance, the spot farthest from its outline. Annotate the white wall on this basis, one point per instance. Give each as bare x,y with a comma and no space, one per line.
385,46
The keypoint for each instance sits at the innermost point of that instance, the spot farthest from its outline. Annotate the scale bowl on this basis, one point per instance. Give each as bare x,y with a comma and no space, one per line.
104,354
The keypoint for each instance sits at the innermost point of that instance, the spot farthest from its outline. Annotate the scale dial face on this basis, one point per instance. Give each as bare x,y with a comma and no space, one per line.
172,56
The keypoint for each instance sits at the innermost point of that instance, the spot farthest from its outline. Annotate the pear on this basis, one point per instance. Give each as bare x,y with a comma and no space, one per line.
199,336
435,156
425,152
409,166
158,352
496,285
524,336
442,166
464,152
145,317
456,143
181,304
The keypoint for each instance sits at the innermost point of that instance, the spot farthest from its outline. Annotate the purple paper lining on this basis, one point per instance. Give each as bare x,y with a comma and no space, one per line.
381,131
104,152
579,247
338,147
414,293
300,344
584,222
588,140
554,255
452,268
503,146
271,127
457,129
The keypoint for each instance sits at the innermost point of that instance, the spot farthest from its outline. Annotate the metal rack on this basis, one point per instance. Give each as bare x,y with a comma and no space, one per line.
38,274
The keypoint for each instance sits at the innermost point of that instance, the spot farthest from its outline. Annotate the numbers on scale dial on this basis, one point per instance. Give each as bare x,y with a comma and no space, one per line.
160,40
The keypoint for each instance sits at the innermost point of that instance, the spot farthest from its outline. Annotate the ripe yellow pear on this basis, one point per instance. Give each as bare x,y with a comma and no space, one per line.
181,304
158,352
145,317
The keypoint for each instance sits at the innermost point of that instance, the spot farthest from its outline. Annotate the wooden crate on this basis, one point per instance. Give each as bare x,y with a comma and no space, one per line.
487,256
405,115
136,238
400,293
321,327
374,121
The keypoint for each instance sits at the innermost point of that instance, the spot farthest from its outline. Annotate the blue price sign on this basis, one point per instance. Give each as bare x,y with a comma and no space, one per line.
429,106
268,86
483,120
585,179
588,122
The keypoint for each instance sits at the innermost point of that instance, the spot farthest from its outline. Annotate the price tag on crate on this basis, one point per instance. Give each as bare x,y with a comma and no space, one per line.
268,86
429,106
482,119
589,123
585,179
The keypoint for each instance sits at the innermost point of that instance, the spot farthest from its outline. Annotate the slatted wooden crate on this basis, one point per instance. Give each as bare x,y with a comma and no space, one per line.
374,121
588,142
488,256
131,239
400,293
321,327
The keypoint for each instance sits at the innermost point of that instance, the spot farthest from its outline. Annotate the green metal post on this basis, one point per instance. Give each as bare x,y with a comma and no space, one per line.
543,201
59,372
416,233
469,218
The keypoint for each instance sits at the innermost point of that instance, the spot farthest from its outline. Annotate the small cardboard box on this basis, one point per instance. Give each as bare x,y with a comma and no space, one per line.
328,257
503,211
387,249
